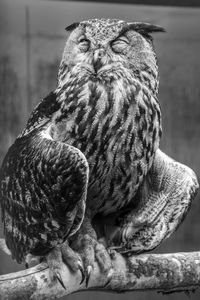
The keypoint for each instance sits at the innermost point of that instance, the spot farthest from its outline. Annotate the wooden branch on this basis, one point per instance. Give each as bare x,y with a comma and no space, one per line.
159,272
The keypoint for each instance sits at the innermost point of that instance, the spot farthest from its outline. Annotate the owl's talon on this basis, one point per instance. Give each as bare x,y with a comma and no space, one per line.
26,265
88,273
82,272
59,278
109,277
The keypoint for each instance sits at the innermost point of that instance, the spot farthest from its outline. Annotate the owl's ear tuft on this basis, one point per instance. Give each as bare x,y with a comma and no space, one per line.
145,28
72,26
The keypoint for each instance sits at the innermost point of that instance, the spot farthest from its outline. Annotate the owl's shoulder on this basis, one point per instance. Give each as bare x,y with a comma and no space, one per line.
42,113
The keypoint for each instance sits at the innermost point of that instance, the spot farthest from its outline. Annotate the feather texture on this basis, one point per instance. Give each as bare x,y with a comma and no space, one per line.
103,117
43,190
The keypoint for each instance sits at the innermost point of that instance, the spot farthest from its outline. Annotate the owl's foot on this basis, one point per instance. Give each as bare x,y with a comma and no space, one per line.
64,254
90,251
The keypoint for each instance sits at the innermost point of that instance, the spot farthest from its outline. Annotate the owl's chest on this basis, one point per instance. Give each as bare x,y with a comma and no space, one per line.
117,129
100,122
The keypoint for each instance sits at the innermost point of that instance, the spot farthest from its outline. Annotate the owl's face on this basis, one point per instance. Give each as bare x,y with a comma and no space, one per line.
100,45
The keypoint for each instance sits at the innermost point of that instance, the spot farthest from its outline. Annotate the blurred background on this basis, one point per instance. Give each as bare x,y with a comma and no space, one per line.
32,38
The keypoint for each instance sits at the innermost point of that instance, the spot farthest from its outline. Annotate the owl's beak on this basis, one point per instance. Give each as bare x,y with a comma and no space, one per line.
97,59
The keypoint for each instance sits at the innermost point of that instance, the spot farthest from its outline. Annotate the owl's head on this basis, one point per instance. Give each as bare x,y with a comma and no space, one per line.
99,45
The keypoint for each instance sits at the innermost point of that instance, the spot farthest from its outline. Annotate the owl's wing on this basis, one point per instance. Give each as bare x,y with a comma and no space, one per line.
170,188
164,200
43,192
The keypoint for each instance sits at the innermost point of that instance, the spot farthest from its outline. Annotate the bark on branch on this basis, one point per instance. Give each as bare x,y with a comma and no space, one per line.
159,272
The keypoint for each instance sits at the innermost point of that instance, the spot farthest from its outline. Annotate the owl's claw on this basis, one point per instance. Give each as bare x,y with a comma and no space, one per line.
109,277
107,283
59,278
91,250
88,273
26,265
82,272
55,263
63,254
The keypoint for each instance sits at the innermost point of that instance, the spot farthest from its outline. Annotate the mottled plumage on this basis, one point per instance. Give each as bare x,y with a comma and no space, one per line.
113,116
37,176
103,118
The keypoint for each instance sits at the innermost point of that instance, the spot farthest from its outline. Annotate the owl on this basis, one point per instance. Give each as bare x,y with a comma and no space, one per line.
86,176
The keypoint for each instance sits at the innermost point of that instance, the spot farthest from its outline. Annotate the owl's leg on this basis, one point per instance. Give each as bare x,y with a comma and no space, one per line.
63,254
164,200
90,249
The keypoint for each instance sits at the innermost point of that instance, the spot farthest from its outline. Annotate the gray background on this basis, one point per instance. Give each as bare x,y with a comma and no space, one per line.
32,38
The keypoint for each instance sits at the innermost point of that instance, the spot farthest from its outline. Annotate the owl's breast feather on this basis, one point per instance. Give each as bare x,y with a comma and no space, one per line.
105,116
116,124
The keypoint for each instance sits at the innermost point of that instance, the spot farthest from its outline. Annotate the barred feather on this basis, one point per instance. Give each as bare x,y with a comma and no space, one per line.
43,190
91,145
115,121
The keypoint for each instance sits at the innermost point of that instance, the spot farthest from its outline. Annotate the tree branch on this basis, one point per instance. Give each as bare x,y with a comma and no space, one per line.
159,272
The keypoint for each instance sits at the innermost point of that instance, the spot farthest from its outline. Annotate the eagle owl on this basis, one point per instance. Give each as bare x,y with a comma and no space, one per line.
86,176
